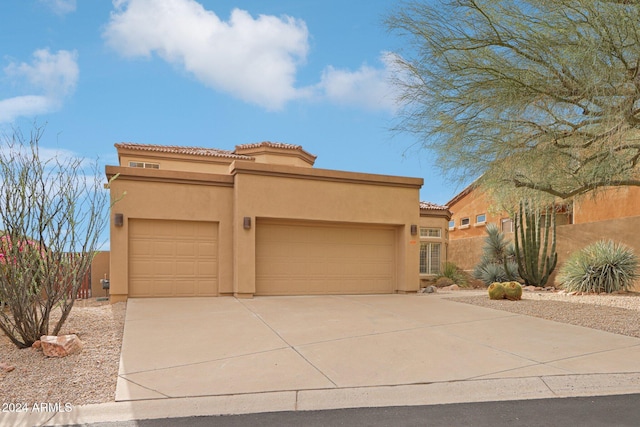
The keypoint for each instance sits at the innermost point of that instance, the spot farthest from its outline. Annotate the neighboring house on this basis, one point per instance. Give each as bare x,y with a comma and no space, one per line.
609,214
260,220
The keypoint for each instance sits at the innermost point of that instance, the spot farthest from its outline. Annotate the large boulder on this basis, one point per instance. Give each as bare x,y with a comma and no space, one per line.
60,346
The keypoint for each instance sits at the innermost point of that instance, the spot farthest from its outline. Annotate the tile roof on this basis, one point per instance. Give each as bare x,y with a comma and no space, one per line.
269,144
281,145
176,149
433,206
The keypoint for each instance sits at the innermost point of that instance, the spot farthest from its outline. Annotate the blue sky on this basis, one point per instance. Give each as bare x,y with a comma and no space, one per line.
211,73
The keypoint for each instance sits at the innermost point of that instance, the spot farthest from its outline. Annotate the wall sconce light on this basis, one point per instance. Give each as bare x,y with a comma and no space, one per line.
246,223
414,229
118,221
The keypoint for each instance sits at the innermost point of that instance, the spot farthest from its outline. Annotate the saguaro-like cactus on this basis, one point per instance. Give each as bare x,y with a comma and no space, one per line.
535,260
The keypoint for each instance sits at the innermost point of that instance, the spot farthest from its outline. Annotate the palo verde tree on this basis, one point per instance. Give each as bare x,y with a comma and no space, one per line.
52,212
535,95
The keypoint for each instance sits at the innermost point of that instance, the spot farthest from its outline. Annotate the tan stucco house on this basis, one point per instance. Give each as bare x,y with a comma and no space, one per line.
261,220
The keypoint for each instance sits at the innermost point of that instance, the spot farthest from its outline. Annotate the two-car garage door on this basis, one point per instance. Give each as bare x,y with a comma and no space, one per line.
312,258
172,258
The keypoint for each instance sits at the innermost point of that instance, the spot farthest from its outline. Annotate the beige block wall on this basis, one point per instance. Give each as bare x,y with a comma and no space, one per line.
575,237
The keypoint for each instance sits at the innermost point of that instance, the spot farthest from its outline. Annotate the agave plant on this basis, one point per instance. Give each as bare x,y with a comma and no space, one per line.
603,266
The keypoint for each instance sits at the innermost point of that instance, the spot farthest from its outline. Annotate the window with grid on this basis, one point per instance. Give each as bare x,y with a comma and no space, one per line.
430,232
144,165
430,258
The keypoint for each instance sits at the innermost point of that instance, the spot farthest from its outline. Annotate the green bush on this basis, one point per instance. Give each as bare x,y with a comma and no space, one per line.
451,271
604,266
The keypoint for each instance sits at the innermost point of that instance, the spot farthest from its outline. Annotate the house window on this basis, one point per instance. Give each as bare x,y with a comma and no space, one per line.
144,165
464,222
430,258
506,225
430,232
481,219
452,225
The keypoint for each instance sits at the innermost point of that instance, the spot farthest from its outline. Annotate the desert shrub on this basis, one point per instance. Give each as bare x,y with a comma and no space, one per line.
498,263
454,273
603,266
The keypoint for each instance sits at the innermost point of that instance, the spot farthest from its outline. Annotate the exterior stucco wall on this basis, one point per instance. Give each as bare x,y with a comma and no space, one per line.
266,191
193,199
279,159
621,202
262,191
473,203
466,253
187,165
99,268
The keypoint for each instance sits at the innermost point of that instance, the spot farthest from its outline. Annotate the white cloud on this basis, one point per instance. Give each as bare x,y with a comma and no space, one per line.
60,7
52,76
254,59
367,87
21,106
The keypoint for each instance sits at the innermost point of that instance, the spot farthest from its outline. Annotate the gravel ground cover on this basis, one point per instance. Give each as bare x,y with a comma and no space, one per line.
78,379
90,377
617,313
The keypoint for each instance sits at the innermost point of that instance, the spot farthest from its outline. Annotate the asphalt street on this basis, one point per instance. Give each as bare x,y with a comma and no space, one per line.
619,410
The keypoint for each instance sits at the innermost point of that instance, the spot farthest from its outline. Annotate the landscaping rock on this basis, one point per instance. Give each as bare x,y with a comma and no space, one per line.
37,345
430,289
5,367
452,288
61,346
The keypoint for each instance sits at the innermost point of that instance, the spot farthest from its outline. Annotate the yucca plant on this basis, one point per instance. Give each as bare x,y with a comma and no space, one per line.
498,262
601,267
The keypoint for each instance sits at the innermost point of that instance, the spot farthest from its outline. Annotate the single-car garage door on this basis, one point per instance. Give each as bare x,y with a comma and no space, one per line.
172,258
309,258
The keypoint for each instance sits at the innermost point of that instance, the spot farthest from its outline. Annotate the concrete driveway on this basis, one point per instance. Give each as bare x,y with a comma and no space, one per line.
298,353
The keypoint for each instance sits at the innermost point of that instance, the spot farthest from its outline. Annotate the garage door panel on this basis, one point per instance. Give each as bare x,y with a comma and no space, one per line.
185,249
208,250
138,247
172,258
308,258
207,268
161,288
186,268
